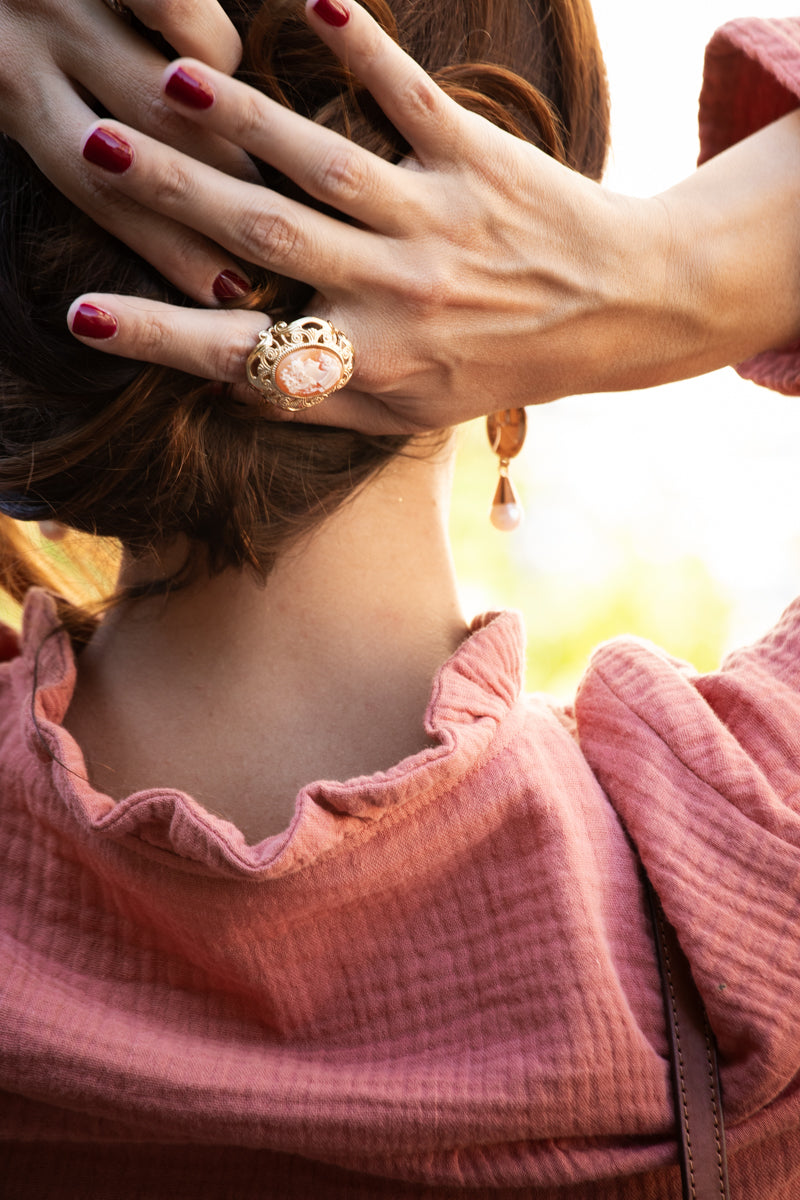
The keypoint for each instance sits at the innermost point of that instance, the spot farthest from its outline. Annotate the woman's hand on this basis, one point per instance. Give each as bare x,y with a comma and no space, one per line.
481,275
61,57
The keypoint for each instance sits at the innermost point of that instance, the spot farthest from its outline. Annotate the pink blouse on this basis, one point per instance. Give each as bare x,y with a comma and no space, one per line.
439,980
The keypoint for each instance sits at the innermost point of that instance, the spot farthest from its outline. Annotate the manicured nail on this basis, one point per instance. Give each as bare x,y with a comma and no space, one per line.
90,321
230,286
108,150
332,12
187,89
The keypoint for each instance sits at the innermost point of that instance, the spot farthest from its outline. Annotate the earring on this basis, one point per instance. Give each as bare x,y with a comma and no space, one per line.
506,433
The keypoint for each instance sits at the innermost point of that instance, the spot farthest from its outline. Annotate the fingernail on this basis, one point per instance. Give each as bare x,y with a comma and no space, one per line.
187,89
108,150
230,286
90,321
332,12
54,531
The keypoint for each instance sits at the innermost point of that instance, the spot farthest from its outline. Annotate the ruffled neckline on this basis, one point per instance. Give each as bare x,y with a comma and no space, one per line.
473,695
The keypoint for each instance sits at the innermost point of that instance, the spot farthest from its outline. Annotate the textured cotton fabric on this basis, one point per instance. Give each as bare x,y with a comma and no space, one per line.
752,77
440,976
439,981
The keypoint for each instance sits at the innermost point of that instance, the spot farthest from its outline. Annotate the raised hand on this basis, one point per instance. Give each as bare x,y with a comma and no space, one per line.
477,276
63,58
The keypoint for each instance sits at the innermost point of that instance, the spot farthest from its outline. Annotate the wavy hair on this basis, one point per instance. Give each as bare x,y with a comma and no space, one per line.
144,454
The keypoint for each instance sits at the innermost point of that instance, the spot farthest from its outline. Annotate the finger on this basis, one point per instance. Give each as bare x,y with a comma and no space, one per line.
256,224
190,261
351,409
123,71
211,344
428,119
198,28
214,345
324,163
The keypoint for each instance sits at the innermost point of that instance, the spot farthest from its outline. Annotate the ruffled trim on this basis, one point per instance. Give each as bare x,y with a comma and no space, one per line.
473,693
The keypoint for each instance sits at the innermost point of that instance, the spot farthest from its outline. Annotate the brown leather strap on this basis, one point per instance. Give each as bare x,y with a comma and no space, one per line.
695,1071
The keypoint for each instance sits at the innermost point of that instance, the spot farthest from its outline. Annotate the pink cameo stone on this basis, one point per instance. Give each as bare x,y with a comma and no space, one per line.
308,371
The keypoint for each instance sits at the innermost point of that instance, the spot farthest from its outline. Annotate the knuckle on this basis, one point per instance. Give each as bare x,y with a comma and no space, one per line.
185,245
111,209
420,97
269,238
230,360
11,96
427,292
172,184
179,11
158,13
29,108
339,175
248,119
155,116
371,46
151,337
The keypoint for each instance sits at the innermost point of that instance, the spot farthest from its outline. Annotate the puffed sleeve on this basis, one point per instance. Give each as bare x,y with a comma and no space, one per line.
752,77
704,772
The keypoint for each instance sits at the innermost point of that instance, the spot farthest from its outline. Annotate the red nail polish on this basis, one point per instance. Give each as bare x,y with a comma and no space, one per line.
332,12
108,150
230,286
90,321
187,89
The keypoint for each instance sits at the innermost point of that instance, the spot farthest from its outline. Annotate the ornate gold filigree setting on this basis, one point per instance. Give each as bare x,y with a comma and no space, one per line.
295,366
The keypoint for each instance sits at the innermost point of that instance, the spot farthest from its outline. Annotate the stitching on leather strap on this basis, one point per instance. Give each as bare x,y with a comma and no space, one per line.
677,1025
715,1107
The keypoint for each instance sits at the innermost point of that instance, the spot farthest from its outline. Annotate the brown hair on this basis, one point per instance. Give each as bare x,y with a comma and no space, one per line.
143,454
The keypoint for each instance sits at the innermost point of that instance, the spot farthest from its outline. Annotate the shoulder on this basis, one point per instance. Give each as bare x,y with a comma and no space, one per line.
704,772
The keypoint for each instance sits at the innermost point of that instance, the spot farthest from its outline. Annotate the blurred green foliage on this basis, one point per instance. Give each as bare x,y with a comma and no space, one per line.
9,613
678,604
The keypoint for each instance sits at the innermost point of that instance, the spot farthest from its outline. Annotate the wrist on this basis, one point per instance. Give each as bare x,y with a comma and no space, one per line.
651,322
736,238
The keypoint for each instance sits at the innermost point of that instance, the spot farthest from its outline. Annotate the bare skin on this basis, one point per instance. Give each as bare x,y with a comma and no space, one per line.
62,56
488,272
239,694
487,243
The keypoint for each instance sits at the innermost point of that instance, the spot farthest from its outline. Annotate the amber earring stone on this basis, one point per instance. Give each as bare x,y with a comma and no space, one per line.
506,433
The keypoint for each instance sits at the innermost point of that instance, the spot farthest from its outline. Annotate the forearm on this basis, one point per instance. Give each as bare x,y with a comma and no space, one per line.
733,254
491,272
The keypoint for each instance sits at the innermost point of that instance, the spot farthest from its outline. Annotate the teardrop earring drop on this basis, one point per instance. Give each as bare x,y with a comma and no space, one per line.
506,433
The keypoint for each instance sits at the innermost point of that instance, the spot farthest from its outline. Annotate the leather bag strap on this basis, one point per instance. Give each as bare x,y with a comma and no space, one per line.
695,1071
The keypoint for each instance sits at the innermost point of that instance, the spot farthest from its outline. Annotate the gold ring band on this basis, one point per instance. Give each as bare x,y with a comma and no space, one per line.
297,366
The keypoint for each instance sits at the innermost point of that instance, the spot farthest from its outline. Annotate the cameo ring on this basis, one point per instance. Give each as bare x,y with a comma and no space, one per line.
296,366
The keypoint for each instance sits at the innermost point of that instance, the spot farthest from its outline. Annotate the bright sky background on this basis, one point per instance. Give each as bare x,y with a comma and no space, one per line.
707,467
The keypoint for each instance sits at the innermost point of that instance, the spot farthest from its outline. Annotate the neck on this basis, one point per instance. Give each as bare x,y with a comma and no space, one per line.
325,672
